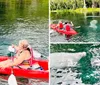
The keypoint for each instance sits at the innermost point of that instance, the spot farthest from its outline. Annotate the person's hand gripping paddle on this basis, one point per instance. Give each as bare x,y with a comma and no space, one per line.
12,78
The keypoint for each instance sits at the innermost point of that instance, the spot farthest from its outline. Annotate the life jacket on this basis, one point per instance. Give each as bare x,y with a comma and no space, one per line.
61,25
30,63
67,27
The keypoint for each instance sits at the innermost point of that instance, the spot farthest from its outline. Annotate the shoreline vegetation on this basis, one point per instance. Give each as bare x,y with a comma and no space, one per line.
77,6
79,10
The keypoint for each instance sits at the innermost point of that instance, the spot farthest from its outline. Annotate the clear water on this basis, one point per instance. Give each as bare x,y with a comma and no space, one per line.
85,70
24,20
86,33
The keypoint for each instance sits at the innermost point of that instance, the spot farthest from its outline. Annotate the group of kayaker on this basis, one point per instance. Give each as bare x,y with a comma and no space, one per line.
24,56
67,26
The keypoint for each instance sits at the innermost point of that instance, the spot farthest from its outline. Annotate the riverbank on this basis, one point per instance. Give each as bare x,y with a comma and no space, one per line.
79,10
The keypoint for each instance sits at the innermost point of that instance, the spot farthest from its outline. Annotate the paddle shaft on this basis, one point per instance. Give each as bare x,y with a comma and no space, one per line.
12,78
12,66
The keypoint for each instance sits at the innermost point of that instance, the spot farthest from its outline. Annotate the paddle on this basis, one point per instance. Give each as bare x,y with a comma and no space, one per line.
77,26
12,78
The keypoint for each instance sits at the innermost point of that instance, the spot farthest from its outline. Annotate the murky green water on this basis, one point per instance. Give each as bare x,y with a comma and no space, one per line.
86,33
85,72
24,19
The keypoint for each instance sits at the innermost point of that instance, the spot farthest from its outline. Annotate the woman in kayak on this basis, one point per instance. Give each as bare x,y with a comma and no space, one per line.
23,56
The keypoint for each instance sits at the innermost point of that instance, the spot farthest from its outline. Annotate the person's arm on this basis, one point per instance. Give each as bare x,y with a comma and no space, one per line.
18,59
15,46
14,62
57,25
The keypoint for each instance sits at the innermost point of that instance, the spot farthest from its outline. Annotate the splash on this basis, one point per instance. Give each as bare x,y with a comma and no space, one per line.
93,24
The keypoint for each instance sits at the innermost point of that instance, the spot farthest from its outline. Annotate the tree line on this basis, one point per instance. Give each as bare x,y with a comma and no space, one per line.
73,4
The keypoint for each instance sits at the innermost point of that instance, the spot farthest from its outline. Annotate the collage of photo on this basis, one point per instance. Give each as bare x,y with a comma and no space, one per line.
49,42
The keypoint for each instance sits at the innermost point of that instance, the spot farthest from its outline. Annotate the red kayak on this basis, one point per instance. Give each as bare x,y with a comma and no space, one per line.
61,31
28,73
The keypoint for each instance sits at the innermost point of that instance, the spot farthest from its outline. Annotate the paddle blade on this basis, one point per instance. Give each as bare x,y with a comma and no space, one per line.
12,80
11,49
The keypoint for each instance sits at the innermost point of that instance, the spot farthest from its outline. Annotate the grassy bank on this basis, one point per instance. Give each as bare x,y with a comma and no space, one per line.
79,10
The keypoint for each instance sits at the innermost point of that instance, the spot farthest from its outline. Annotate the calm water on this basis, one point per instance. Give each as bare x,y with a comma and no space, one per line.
21,19
86,33
23,81
86,69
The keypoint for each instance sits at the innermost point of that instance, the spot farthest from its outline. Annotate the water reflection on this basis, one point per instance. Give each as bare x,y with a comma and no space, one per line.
24,20
10,10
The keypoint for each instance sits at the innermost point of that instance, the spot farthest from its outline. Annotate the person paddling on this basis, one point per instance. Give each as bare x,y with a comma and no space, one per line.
24,56
60,25
67,27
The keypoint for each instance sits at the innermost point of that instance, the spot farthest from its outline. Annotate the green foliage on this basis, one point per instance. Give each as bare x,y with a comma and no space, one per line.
12,9
79,10
89,10
73,4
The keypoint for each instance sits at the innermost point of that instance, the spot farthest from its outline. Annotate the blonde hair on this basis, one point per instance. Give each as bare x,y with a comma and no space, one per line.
24,43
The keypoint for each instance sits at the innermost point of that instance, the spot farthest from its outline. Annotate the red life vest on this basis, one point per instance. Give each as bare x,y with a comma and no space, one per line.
60,25
67,28
28,61
33,64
